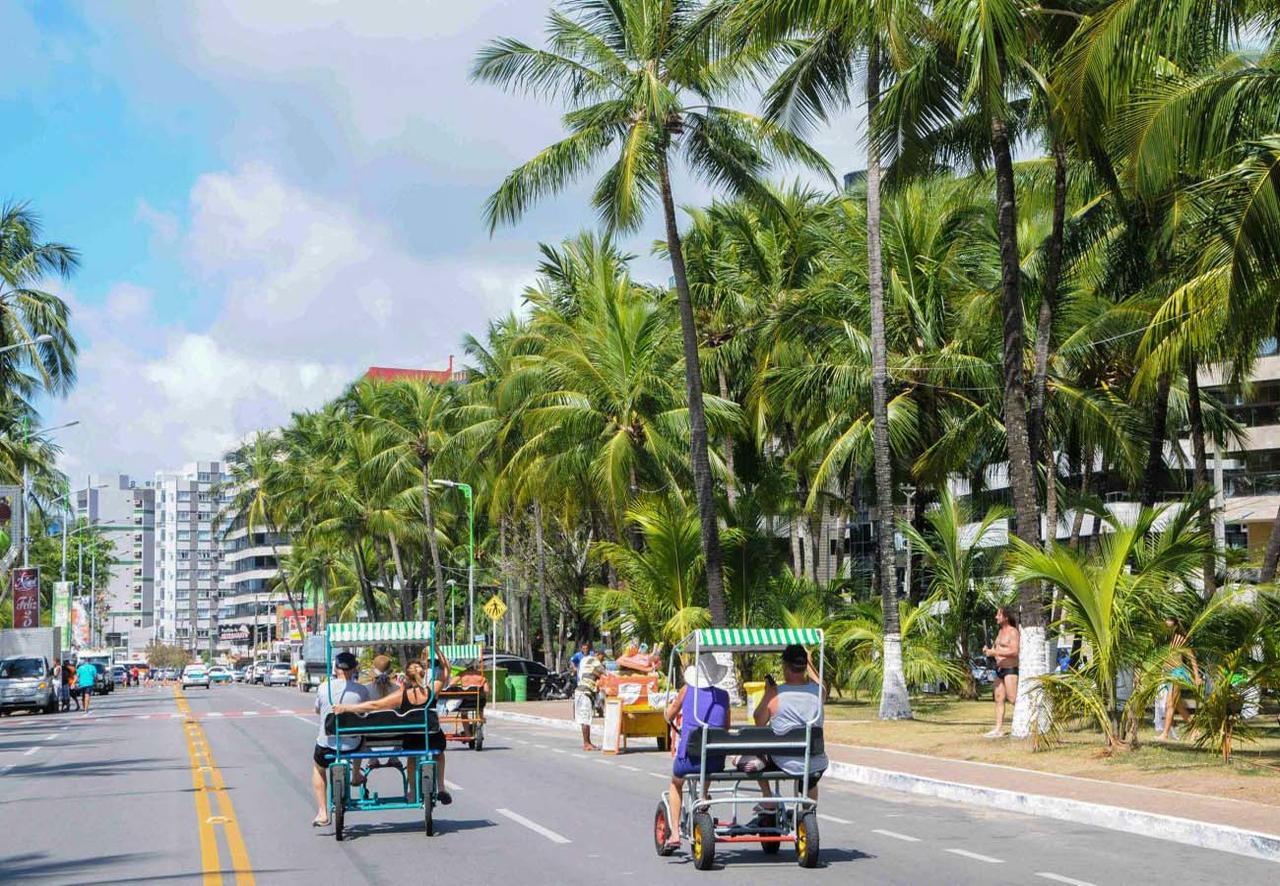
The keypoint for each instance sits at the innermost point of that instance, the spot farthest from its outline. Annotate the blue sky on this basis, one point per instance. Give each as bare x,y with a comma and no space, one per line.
268,198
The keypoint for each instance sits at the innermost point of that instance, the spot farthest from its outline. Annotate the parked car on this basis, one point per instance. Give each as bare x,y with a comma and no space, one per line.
982,671
102,682
220,674
279,674
241,674
535,671
258,671
25,684
196,675
118,675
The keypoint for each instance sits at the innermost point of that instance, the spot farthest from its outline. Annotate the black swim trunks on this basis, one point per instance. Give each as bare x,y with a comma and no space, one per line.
1001,673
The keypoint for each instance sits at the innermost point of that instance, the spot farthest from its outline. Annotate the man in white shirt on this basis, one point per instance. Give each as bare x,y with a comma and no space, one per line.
341,689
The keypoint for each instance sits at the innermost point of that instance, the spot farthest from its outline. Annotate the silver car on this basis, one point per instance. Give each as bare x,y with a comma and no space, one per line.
279,674
195,675
25,683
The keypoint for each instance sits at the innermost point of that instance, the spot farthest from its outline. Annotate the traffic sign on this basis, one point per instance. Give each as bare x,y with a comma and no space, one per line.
495,608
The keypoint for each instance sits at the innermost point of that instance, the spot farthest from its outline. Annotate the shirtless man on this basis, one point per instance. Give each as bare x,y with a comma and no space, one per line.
1005,652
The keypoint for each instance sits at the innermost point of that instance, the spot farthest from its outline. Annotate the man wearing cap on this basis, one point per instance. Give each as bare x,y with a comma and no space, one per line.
342,688
789,708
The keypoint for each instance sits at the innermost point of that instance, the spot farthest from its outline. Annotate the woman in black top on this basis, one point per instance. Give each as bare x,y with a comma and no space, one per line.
413,693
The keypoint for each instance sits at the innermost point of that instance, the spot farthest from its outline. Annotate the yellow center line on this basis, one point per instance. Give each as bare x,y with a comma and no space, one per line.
207,779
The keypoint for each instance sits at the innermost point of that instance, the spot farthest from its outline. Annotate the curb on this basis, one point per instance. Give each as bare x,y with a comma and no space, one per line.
1205,835
1190,832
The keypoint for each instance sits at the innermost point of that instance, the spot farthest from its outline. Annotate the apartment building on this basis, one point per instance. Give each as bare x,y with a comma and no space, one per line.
188,561
124,511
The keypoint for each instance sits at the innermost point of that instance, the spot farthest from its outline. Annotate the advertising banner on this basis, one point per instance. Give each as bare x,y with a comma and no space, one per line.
26,597
79,624
62,610
233,633
291,624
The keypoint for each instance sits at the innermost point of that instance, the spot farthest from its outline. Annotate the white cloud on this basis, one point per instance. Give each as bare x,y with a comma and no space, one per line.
310,293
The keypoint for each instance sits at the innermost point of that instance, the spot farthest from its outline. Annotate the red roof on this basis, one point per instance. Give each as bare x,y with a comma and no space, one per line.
437,376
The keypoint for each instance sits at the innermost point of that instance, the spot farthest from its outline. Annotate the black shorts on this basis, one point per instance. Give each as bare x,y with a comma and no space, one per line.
1001,673
324,757
435,742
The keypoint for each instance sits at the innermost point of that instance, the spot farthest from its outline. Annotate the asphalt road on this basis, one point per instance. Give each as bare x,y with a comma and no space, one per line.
111,797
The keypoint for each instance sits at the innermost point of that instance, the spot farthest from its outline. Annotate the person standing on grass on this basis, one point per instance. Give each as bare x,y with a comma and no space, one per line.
85,675
590,670
1179,676
1005,652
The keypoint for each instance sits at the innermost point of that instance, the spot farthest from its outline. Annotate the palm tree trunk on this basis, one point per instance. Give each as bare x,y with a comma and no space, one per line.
1272,554
1200,470
1077,519
1049,298
894,701
730,480
713,557
432,546
1029,713
1153,476
366,589
406,595
541,558
1050,496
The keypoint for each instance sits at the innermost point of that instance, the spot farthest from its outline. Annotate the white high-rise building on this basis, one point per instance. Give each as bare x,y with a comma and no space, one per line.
188,559
123,510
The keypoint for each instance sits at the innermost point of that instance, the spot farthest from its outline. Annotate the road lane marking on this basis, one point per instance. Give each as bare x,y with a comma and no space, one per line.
534,826
29,751
249,713
213,713
207,780
50,737
451,786
559,751
658,775
1058,878
895,835
976,856
601,760
832,818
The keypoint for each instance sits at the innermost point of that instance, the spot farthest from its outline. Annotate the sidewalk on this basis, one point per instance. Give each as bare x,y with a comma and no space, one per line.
1231,825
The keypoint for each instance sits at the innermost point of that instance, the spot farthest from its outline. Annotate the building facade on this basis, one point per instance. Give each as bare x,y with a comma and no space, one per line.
124,511
188,554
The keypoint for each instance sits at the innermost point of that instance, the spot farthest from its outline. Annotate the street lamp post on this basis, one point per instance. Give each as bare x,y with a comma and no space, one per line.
471,551
453,611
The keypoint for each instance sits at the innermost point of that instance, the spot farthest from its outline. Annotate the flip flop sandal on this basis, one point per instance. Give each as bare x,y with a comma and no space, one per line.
317,823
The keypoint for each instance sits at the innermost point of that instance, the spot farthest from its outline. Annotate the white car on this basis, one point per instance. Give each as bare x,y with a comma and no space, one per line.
195,675
280,674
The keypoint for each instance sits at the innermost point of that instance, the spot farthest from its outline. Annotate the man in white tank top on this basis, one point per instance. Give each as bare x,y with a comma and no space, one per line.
791,706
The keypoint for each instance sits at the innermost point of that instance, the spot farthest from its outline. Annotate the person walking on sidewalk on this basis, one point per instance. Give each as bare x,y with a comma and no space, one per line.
85,675
1005,652
584,695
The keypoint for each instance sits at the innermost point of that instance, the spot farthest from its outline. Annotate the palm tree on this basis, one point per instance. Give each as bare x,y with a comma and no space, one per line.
960,564
641,77
817,81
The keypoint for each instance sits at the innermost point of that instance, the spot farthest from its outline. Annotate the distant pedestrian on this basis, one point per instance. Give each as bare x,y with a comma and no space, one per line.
85,675
1180,656
575,660
590,669
133,676
1005,652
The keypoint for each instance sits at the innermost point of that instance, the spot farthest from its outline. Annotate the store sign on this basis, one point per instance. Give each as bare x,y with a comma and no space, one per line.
26,597
233,633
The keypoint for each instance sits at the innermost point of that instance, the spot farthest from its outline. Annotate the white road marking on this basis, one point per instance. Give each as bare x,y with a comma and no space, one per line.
1058,878
658,775
249,713
176,716
629,768
29,751
451,786
602,759
976,856
895,835
214,714
832,818
559,751
534,826
143,717
50,737
540,747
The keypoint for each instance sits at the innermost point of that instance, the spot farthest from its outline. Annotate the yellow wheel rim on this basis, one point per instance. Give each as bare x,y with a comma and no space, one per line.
697,841
802,838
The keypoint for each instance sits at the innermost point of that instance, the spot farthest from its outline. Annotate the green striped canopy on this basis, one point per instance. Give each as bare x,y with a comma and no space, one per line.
462,651
753,639
350,632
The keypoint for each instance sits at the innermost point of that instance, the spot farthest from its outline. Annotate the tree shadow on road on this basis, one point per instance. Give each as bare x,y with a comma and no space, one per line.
96,769
29,866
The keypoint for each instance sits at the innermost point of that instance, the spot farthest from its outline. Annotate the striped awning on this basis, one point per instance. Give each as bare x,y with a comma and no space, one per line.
462,651
753,639
381,632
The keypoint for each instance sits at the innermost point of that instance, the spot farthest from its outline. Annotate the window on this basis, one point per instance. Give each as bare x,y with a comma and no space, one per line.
184,495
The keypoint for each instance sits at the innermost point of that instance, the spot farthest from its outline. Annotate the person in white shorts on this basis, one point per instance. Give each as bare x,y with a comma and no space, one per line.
584,696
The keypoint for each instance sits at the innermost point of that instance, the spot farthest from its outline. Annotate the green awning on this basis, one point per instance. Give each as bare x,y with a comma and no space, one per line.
462,652
752,639
352,632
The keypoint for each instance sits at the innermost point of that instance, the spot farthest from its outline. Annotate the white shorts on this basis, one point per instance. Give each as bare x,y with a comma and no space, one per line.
583,708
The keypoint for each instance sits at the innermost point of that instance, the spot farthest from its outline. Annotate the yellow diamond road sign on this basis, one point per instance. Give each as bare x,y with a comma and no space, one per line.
495,608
